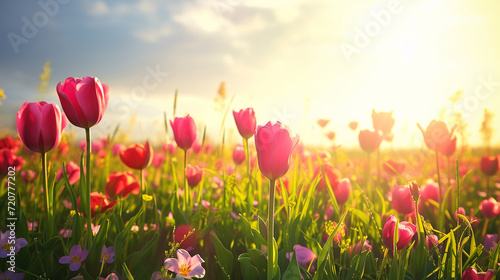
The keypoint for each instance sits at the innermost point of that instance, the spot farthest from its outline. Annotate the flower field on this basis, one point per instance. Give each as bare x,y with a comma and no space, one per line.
266,207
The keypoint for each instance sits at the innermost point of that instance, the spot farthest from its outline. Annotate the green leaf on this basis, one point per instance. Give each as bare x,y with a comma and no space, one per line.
293,271
249,271
357,267
120,238
224,257
94,257
127,272
328,244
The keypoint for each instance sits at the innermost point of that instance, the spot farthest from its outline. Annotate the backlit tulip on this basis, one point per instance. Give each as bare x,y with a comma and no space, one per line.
274,146
490,208
353,125
238,154
402,199
121,184
330,135
382,121
489,165
40,125
193,175
245,122
184,130
369,140
342,191
83,100
9,159
437,137
323,122
137,156
406,231
449,148
73,171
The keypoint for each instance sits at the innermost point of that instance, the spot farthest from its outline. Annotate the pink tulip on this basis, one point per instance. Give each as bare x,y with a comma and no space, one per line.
402,199
342,191
245,122
369,140
274,147
184,131
489,165
406,231
193,175
73,171
170,147
471,273
40,125
83,100
437,137
303,254
158,160
117,148
382,121
238,154
490,208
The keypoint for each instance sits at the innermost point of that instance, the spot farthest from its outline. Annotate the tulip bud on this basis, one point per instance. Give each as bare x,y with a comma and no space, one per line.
415,192
245,122
184,131
489,165
490,208
369,140
402,199
193,175
274,147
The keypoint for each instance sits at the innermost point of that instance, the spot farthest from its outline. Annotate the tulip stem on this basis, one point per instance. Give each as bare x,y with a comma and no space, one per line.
483,234
87,191
47,196
186,187
270,231
368,177
143,186
439,177
249,187
487,186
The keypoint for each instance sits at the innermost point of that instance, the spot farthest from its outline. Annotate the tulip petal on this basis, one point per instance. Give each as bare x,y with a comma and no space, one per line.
29,125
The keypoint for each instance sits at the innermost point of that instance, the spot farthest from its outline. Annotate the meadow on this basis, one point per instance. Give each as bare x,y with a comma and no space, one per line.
266,207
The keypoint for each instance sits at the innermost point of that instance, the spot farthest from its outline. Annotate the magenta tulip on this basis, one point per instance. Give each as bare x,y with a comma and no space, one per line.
184,131
402,199
490,208
406,231
471,273
489,165
342,191
40,125
193,175
245,122
83,100
274,146
238,154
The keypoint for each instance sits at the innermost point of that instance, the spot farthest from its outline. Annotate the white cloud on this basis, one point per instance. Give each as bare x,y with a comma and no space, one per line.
98,8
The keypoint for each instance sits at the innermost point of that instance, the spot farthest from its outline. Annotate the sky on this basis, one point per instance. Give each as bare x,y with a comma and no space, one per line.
293,61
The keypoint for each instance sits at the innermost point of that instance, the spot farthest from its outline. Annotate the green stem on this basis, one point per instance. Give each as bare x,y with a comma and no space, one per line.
47,192
270,231
369,178
87,191
186,187
378,167
249,187
439,177
143,186
102,267
487,186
